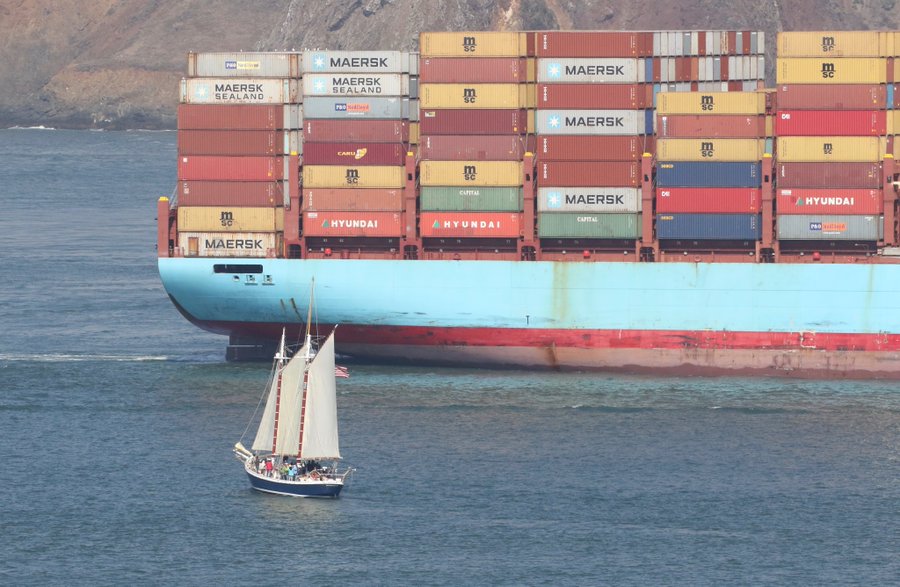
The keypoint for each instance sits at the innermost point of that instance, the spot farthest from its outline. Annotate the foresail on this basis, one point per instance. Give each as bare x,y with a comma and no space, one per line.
264,433
320,429
288,409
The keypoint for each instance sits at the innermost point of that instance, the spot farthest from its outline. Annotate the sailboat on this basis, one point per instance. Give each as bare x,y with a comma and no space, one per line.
296,450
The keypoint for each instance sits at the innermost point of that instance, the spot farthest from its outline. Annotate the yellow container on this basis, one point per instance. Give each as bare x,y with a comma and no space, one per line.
413,133
840,70
893,121
229,219
477,95
476,173
770,126
835,44
838,149
531,70
361,176
711,103
472,44
710,149
530,124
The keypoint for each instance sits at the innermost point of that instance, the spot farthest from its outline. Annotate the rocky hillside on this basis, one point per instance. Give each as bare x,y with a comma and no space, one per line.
116,63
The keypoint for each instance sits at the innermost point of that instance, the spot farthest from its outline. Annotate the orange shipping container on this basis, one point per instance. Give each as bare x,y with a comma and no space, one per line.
470,224
349,199
354,223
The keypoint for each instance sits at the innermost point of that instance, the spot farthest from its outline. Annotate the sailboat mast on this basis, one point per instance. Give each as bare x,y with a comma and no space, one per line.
280,366
308,346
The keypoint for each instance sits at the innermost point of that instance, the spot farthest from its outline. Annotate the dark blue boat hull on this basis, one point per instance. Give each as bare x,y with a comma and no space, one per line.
295,489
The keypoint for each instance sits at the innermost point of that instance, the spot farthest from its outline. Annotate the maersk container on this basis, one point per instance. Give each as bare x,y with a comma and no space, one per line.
588,225
714,127
359,176
229,244
476,173
471,198
593,44
588,173
828,175
358,84
473,122
829,201
473,44
594,122
591,96
831,122
274,64
470,224
231,193
354,153
708,200
350,199
837,97
600,200
708,174
484,70
240,91
828,149
841,70
710,149
467,147
356,107
745,103
230,219
476,96
368,131
590,71
353,223
593,147
830,227
239,142
239,117
215,167
358,62
708,226
834,44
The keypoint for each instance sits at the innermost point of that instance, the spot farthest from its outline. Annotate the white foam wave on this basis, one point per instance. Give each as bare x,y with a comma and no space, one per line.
38,127
64,358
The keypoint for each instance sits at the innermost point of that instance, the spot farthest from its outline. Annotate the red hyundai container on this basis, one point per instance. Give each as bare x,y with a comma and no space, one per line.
708,200
501,70
710,126
353,223
588,174
828,175
352,199
371,131
832,97
593,147
213,167
232,116
231,193
846,201
477,148
831,123
233,142
353,153
593,44
475,121
595,96
470,224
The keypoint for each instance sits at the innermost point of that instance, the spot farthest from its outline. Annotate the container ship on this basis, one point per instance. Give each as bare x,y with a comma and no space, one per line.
613,200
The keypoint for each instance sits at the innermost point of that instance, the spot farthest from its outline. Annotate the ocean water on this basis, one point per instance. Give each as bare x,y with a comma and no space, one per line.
118,419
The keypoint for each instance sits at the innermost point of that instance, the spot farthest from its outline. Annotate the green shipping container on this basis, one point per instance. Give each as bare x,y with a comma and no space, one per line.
474,199
580,225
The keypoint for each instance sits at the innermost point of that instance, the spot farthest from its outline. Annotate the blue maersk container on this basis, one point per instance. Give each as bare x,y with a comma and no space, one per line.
708,226
691,174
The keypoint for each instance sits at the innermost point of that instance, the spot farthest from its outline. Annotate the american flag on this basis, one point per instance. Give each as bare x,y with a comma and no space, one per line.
340,371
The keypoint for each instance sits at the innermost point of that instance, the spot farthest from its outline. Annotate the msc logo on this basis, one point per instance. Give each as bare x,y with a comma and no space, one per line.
828,70
352,176
469,172
226,218
469,44
469,95
827,148
706,149
827,44
706,103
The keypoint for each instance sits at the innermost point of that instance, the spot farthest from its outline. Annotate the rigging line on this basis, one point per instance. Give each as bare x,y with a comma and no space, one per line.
259,403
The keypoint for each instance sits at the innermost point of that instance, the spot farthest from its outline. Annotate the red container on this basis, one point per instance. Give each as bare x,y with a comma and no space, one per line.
832,97
896,102
593,44
370,131
353,200
231,193
595,96
846,201
831,123
473,148
708,200
593,147
501,70
473,122
710,126
353,223
231,142
470,224
588,174
828,175
194,167
354,153
231,117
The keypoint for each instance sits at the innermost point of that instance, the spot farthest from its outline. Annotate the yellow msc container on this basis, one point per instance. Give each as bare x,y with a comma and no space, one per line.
230,219
361,176
477,95
474,173
710,149
473,44
531,70
835,44
413,133
837,149
770,126
840,70
530,124
711,103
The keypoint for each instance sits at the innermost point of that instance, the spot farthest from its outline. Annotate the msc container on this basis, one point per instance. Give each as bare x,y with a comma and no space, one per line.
414,133
230,219
348,199
360,176
229,244
276,64
354,153
213,167
711,103
358,62
476,96
829,201
844,149
828,175
708,200
465,198
594,122
710,149
590,96
369,131
593,44
207,90
599,200
470,224
838,97
353,223
239,142
831,122
497,70
356,84
356,107
842,70
705,126
479,173
231,193
708,174
588,173
588,225
469,148
828,227
591,71
473,122
473,44
593,147
239,117
708,226
833,44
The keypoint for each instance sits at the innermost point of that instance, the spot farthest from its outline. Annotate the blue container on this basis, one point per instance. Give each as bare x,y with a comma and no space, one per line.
890,96
698,174
708,226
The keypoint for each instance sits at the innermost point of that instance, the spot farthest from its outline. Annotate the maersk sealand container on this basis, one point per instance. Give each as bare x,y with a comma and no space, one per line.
690,174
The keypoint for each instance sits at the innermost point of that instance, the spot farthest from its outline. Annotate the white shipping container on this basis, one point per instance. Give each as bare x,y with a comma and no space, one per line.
592,122
228,244
345,84
214,64
589,199
240,91
571,70
359,62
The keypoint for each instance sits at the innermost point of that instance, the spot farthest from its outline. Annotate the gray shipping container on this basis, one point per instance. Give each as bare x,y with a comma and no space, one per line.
207,90
847,227
277,64
344,84
476,199
356,107
587,199
359,62
587,225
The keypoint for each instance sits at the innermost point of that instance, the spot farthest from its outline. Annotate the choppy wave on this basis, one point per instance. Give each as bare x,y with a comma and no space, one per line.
72,358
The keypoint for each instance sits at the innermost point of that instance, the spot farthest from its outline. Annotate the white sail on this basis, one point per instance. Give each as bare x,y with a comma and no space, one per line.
288,412
320,427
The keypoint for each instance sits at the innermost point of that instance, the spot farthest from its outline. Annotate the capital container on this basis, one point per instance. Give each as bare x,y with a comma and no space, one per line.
353,176
473,122
830,227
588,173
359,107
841,70
706,126
231,193
349,199
592,96
831,122
831,148
599,200
238,142
359,62
205,90
473,44
829,201
470,224
251,64
230,219
354,153
497,70
708,226
593,44
828,175
722,174
708,200
836,97
595,70
467,147
588,225
353,223
710,149
471,198
833,43
370,131
476,173
593,147
239,116
476,96
229,244
594,122
244,168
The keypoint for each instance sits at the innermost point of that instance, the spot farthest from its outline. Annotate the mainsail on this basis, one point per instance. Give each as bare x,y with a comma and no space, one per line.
288,408
320,429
